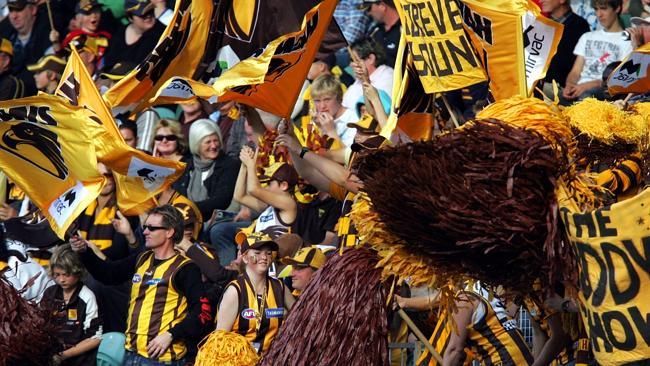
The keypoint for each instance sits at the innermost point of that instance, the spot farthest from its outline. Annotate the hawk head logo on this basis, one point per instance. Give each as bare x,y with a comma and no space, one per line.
36,145
631,68
146,175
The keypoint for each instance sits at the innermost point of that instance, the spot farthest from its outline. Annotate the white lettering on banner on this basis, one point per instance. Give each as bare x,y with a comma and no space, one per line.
152,175
538,41
630,71
65,204
178,88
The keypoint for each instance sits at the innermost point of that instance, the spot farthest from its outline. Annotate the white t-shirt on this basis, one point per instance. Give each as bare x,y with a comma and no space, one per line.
600,48
381,79
345,133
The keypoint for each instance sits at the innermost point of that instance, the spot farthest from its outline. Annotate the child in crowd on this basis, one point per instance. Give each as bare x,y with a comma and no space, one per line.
75,310
330,115
47,73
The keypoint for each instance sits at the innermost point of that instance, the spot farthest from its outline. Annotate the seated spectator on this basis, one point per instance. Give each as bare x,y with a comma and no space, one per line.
241,310
316,219
136,41
194,111
129,131
110,76
75,310
388,29
88,49
232,123
330,115
88,17
371,56
275,201
28,31
303,266
47,73
169,142
11,87
210,175
595,50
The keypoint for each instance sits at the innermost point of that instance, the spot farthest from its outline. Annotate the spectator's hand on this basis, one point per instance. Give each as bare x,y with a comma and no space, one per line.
290,142
184,245
78,244
247,156
159,345
57,359
244,214
122,225
567,92
283,127
636,36
359,68
578,90
7,212
54,36
399,302
326,123
372,99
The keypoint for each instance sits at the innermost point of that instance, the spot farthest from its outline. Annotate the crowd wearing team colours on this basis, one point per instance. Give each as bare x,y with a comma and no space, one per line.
322,182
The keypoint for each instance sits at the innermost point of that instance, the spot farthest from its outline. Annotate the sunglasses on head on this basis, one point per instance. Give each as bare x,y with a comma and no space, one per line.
153,228
166,137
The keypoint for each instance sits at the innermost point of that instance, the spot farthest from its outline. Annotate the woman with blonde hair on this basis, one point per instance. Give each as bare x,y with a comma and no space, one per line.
169,141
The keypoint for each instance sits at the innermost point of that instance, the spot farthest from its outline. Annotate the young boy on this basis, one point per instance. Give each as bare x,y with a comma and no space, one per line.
47,73
75,310
330,115
595,50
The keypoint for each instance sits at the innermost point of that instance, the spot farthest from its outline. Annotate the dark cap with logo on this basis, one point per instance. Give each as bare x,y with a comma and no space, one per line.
280,171
256,241
138,7
19,5
87,6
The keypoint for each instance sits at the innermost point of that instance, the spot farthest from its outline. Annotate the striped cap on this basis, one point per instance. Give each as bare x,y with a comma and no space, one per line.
49,62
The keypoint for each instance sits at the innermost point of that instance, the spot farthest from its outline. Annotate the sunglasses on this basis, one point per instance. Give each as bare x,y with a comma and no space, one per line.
153,228
166,137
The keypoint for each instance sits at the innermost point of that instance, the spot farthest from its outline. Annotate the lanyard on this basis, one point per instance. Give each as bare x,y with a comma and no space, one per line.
259,306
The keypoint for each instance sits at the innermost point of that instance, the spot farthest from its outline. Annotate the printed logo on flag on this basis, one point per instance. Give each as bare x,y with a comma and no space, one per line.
241,19
630,71
153,176
538,44
178,88
35,144
65,204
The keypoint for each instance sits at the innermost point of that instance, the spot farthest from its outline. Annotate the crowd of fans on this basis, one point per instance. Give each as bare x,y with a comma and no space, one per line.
254,214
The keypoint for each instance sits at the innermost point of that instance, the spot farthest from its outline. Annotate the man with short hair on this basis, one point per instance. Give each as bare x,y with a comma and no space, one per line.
388,30
303,266
167,292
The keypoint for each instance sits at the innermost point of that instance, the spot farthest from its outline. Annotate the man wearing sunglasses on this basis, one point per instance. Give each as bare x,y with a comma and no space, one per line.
167,304
135,42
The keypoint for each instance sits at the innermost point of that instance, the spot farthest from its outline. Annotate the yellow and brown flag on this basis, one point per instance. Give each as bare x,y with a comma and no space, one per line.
631,76
45,149
183,50
139,177
513,40
270,79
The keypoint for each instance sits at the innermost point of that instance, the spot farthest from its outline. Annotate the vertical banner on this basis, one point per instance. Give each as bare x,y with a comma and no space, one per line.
612,248
45,150
631,76
541,38
442,55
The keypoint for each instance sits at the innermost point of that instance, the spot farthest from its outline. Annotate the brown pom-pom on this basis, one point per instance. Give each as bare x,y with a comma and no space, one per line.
340,318
477,202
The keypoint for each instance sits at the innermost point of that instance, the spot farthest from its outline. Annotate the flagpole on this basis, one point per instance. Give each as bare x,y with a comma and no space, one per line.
49,14
419,335
451,112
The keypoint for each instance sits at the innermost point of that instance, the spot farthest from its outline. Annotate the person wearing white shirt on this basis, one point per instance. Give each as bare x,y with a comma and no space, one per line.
380,75
330,116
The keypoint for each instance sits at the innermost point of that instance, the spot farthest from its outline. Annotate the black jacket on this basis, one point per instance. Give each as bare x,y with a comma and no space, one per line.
220,185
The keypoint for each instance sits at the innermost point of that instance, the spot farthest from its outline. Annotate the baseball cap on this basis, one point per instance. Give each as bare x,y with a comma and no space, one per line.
85,42
280,171
118,71
49,62
638,22
138,7
307,257
18,5
6,47
87,6
365,5
367,124
256,241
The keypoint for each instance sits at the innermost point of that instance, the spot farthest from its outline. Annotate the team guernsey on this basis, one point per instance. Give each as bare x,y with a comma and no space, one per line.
156,305
268,308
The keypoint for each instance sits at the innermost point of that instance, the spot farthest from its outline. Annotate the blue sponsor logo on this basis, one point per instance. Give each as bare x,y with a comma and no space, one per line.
153,281
248,314
274,313
136,278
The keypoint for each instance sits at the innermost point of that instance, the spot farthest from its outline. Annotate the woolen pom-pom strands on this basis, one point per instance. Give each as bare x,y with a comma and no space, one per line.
27,335
478,202
340,318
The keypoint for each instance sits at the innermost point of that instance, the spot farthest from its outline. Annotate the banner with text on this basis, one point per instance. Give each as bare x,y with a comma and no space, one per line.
612,247
631,76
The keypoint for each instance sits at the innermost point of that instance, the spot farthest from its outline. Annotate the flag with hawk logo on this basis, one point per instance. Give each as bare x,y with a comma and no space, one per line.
511,32
46,153
139,177
184,49
270,79
631,76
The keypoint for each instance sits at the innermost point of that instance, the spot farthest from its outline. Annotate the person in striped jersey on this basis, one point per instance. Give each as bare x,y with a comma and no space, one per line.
255,304
166,305
486,329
